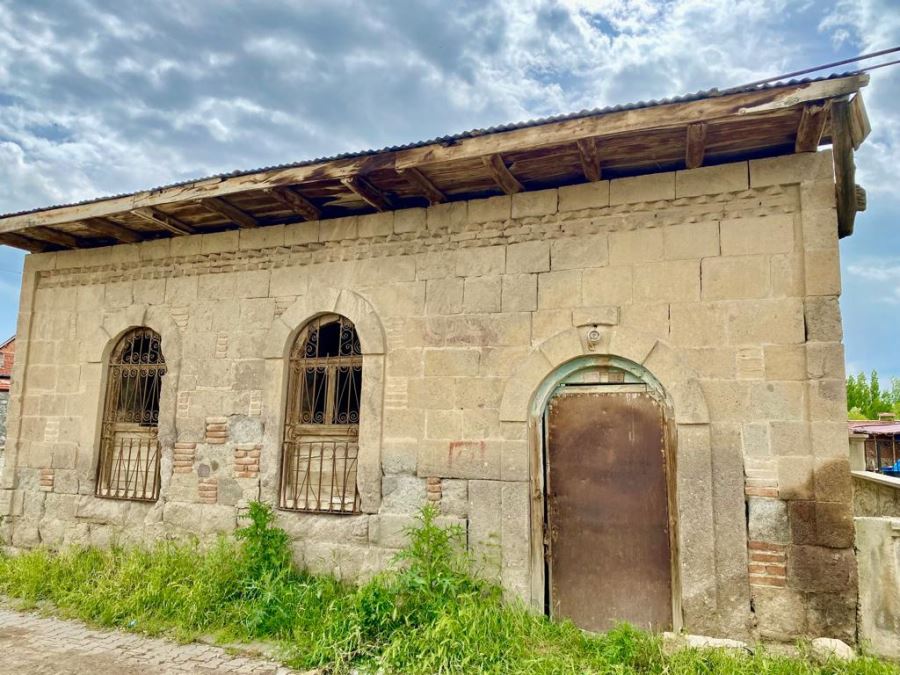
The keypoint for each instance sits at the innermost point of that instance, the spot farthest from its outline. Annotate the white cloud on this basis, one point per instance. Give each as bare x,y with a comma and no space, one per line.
882,277
871,26
146,94
100,97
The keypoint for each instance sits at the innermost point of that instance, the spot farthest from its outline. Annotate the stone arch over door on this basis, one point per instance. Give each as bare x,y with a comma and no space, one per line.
530,387
318,301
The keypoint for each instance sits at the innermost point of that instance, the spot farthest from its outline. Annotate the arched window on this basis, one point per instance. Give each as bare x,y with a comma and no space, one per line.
321,430
129,447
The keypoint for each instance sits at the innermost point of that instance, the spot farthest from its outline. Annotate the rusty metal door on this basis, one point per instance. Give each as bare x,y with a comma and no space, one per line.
607,516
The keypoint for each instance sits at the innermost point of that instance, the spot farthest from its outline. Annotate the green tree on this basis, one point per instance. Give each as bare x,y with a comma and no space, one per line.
866,399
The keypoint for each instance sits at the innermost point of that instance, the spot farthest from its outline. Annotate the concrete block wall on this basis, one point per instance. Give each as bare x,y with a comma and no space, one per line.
724,277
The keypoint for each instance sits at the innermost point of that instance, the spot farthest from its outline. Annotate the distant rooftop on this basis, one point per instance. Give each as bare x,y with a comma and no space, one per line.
875,427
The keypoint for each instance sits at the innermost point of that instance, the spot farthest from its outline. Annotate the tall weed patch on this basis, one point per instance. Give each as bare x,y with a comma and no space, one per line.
428,614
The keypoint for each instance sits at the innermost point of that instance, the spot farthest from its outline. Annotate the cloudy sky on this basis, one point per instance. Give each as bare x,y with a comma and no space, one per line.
105,96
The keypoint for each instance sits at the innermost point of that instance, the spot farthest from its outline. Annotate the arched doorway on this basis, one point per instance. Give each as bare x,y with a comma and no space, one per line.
606,470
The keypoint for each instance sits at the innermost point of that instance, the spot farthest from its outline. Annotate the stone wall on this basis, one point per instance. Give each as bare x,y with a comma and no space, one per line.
873,500
878,547
722,281
876,507
4,406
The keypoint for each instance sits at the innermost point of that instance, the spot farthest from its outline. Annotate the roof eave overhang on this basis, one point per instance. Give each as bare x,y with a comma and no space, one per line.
40,230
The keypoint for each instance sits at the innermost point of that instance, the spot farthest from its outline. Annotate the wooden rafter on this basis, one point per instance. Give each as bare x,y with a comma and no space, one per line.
367,192
502,175
164,220
27,243
590,158
108,228
295,202
63,239
695,145
811,126
755,106
424,185
223,208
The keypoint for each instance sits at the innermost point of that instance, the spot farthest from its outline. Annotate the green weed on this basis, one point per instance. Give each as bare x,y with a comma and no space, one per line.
428,614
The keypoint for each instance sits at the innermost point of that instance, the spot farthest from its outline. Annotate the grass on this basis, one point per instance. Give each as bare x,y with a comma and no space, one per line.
426,615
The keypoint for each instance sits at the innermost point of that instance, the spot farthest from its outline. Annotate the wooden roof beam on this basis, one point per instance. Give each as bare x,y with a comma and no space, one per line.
564,132
163,220
424,185
63,239
859,121
108,228
811,127
367,192
502,175
590,158
17,240
844,167
223,208
295,202
695,145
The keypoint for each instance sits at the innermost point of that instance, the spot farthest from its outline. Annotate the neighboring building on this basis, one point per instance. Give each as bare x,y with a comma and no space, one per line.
882,442
7,356
874,448
608,345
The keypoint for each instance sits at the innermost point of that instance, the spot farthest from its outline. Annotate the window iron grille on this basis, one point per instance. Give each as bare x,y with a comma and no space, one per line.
128,467
320,450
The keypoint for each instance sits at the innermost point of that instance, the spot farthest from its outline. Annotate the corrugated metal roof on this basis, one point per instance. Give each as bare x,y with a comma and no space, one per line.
875,428
453,138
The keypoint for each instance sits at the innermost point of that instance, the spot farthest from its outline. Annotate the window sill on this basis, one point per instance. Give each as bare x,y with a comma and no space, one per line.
879,478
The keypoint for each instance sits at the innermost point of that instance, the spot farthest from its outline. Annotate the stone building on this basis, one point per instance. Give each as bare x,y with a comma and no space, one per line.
608,345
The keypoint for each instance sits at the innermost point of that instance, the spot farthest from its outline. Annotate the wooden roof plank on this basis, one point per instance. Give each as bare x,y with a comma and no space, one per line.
502,175
237,216
811,126
164,220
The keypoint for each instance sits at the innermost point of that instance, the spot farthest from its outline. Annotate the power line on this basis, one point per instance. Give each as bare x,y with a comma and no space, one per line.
861,57
880,65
